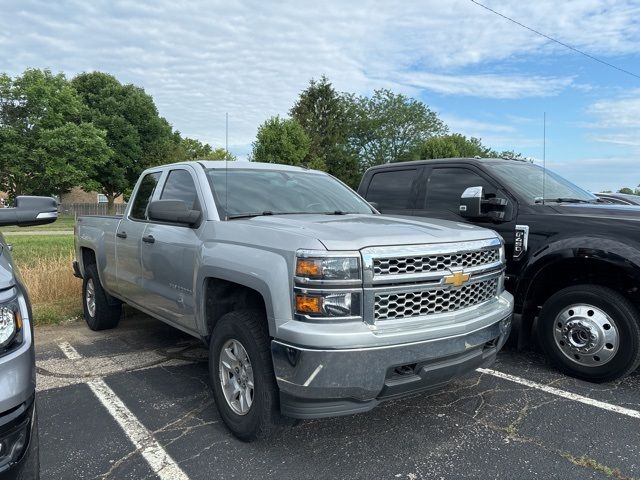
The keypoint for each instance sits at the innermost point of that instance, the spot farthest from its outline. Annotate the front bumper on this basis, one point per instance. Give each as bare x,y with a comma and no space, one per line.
24,465
316,383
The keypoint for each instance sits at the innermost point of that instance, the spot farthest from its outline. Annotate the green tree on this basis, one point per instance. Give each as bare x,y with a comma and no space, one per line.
45,148
322,113
135,132
192,149
453,145
629,191
283,140
389,127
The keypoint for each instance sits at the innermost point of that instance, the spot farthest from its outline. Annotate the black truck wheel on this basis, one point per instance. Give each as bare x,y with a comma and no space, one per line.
100,311
591,332
241,371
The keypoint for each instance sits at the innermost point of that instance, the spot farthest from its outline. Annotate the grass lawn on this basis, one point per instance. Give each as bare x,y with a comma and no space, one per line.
64,222
45,264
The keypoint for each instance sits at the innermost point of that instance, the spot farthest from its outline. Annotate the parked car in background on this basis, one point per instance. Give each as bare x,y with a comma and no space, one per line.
572,262
619,198
18,417
311,303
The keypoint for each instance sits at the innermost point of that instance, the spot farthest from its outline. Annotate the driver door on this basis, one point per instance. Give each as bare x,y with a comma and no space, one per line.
445,185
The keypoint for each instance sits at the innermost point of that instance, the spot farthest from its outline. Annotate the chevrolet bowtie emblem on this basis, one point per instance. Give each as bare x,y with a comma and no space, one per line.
457,279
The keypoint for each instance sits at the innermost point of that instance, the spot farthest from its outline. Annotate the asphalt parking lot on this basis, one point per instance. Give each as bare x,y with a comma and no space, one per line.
135,403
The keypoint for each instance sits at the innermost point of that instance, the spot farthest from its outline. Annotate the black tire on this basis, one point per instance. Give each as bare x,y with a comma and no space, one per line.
621,311
107,310
249,327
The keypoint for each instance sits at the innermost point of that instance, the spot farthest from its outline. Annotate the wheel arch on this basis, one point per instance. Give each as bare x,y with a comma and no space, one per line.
616,266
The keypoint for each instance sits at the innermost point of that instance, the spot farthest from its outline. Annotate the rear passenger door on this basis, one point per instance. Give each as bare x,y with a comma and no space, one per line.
129,240
170,254
394,191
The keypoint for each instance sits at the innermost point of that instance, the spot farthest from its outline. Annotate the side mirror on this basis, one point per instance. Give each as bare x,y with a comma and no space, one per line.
29,211
173,211
471,202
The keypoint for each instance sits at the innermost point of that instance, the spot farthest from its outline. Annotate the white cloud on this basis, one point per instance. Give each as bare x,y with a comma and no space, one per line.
201,59
488,85
617,120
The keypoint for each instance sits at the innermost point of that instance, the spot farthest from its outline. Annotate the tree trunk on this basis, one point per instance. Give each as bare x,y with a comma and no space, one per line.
111,206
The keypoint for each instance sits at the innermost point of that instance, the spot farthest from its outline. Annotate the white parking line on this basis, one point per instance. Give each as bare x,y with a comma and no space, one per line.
562,393
157,458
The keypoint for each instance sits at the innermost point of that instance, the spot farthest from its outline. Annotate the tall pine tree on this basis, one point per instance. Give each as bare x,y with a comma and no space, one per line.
321,112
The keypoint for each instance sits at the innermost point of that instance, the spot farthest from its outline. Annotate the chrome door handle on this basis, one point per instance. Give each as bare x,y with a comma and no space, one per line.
121,234
148,239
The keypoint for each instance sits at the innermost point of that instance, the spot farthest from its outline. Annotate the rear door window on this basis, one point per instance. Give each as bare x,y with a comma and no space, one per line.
143,196
392,190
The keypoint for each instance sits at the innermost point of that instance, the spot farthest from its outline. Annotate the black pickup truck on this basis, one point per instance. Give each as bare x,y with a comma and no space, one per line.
573,260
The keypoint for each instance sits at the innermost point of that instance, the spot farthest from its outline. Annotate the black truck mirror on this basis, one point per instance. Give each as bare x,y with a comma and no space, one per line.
173,211
29,211
471,202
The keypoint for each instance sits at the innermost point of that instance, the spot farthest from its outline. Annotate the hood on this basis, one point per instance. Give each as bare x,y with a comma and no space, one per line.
354,232
7,279
600,210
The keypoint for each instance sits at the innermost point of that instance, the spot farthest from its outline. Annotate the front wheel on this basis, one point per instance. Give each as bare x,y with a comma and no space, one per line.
241,371
591,332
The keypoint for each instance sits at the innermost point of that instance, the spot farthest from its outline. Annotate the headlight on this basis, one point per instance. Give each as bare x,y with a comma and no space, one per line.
328,304
320,267
10,325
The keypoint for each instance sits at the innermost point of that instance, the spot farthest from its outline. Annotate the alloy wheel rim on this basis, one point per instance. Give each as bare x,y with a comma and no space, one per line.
90,298
236,376
586,335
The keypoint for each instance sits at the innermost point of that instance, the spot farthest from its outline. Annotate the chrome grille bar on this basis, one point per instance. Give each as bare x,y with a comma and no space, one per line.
410,304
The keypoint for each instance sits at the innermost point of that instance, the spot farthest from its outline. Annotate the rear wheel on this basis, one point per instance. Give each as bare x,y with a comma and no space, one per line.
101,312
241,371
591,332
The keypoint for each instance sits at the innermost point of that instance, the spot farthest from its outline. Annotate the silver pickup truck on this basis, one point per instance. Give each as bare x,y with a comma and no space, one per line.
311,303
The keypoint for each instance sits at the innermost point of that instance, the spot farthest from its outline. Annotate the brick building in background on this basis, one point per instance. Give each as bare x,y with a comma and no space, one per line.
77,195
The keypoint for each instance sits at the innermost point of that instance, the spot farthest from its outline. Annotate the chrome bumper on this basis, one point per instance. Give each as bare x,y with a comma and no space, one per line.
317,383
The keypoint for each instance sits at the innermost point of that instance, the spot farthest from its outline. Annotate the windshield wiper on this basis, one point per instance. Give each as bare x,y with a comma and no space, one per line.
269,212
249,215
563,200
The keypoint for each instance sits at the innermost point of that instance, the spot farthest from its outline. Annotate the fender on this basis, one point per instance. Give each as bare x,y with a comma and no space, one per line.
264,271
94,238
622,255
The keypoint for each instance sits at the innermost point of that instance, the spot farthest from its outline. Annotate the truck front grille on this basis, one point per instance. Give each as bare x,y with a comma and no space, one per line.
434,263
427,302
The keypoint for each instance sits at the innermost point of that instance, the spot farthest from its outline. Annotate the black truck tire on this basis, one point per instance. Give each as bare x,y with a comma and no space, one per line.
101,312
239,340
591,332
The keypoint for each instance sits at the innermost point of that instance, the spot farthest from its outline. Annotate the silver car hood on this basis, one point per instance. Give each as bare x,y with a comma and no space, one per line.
354,232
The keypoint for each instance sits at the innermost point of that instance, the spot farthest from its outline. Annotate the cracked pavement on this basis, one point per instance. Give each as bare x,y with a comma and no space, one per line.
478,426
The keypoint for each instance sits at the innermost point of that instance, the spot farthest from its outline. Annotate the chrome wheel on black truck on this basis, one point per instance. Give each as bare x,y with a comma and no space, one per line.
591,332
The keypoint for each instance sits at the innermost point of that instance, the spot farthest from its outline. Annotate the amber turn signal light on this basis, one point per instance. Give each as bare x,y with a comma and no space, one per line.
306,267
308,304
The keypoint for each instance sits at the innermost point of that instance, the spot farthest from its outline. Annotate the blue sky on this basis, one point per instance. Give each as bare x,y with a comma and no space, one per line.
485,76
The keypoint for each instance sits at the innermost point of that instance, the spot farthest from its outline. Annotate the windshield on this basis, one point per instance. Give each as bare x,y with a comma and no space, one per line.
272,192
526,179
